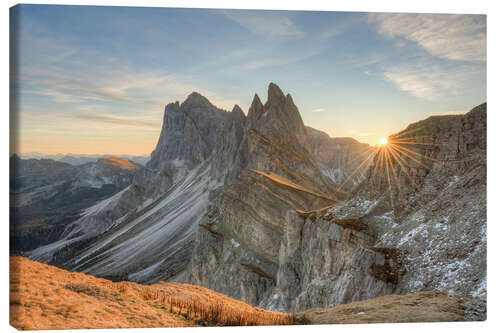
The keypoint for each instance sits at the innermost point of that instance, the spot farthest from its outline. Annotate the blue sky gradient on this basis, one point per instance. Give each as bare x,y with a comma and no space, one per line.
95,79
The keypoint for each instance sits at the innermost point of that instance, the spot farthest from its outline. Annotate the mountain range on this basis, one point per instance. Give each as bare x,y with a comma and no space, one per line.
79,159
261,208
46,195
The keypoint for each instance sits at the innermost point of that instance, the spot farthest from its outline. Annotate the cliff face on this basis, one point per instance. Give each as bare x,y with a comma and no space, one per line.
418,222
278,141
188,136
237,249
326,262
439,209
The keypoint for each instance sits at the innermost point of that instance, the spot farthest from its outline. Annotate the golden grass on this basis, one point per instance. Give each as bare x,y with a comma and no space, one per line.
46,297
425,306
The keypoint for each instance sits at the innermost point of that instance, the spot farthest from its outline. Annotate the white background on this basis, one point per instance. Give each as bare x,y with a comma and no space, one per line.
426,6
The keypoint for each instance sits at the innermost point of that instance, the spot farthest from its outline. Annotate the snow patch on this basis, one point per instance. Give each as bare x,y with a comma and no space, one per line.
410,235
481,290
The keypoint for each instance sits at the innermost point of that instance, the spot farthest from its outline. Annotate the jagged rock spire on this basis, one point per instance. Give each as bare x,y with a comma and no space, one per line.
256,109
274,93
237,112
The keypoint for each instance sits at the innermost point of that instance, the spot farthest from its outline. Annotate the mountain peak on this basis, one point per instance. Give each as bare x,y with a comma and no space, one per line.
256,109
237,113
274,92
236,108
195,99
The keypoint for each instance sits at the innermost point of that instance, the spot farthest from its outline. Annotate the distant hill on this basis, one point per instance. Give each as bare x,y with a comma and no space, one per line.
119,162
47,195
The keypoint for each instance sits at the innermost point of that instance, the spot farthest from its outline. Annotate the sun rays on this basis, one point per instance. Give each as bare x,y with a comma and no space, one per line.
397,159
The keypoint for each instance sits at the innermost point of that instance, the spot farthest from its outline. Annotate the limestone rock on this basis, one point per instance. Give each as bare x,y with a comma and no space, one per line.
434,209
231,154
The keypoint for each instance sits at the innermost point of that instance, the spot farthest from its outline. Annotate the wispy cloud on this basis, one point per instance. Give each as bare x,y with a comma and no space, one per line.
269,24
318,110
119,84
115,120
57,96
454,37
67,73
266,62
432,81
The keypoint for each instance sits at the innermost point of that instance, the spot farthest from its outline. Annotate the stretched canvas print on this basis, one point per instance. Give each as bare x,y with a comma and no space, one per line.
208,167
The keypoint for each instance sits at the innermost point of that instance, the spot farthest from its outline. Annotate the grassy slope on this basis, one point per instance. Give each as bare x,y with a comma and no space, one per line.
425,306
46,297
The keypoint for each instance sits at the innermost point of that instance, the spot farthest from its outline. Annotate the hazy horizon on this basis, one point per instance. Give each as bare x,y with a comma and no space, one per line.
95,80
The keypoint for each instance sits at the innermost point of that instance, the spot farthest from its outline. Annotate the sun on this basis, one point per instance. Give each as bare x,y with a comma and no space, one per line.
383,141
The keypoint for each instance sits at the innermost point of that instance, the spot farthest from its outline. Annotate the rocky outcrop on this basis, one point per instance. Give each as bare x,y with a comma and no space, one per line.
237,250
374,244
278,141
188,136
231,155
326,262
427,193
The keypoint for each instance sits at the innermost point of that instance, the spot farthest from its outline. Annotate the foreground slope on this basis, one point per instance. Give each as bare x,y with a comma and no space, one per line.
46,297
425,306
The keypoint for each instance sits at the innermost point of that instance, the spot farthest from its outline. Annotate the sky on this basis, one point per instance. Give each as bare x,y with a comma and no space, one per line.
95,80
